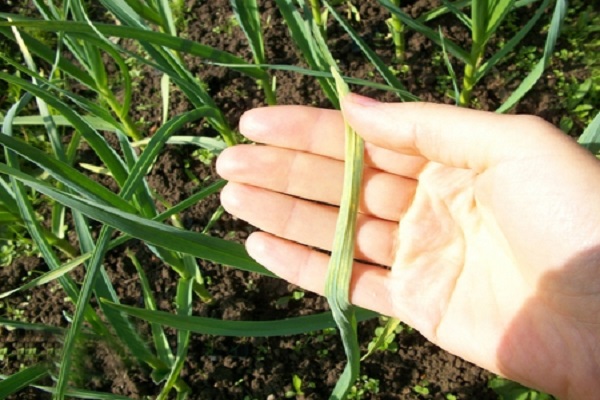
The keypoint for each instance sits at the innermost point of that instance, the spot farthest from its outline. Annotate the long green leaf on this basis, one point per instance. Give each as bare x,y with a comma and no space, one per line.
479,22
92,108
72,264
247,15
212,326
48,276
156,38
558,16
22,379
156,144
199,245
95,264
383,69
326,74
33,226
84,394
497,14
511,44
43,51
161,344
59,120
339,271
183,300
96,141
590,138
66,174
304,39
10,324
439,11
83,301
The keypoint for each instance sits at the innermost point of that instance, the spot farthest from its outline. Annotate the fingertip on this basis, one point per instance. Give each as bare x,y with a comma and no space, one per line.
223,164
255,245
232,197
254,123
266,250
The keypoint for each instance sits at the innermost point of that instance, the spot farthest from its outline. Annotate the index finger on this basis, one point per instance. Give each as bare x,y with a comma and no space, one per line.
453,136
319,131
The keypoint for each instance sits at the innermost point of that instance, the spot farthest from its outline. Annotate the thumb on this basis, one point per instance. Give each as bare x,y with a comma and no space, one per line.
450,135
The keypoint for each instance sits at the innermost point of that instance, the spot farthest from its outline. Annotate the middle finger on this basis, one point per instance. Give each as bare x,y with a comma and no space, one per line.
314,177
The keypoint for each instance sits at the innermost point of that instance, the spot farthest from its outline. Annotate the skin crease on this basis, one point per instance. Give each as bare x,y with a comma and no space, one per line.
488,224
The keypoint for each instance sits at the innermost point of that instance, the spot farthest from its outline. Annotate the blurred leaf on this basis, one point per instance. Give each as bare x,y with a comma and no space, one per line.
84,394
212,326
509,390
498,11
590,138
247,15
22,379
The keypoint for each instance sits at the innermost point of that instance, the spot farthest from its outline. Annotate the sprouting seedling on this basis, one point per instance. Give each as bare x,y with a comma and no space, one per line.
339,273
486,16
397,30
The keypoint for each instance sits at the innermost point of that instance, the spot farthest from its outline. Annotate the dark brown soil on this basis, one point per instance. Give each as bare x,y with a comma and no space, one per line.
258,368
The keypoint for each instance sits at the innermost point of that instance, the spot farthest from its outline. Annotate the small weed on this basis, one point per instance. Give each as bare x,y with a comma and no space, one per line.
365,388
283,302
297,385
3,353
422,388
227,27
509,390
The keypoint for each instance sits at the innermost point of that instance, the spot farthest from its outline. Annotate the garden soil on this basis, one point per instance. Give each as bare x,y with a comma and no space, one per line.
257,368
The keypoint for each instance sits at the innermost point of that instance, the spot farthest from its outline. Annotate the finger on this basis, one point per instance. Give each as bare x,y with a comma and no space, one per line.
307,268
319,131
454,136
307,222
313,177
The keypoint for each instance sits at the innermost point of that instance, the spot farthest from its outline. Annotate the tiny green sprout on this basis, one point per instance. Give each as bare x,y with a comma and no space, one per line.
296,387
365,388
422,388
397,32
3,353
384,337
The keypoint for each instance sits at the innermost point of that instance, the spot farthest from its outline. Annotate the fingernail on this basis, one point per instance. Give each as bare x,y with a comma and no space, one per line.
361,100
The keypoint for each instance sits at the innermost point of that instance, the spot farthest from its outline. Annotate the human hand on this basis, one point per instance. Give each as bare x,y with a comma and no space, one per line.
489,225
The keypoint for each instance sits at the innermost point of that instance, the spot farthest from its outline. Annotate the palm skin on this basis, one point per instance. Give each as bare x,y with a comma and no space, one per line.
487,224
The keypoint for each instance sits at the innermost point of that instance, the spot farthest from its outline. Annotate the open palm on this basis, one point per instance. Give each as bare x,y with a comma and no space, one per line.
472,227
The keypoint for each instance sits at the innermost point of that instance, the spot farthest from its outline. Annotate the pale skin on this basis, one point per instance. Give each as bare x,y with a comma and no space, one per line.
480,230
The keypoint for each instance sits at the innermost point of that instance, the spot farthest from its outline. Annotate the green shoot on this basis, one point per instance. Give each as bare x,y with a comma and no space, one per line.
397,31
22,379
486,16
